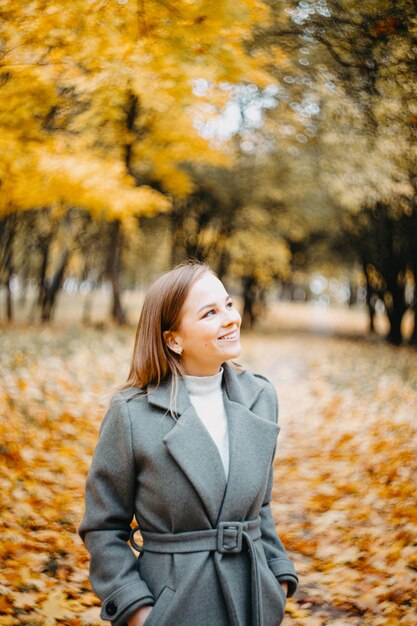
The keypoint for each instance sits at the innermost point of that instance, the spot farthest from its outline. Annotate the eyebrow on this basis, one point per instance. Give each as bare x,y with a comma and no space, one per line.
208,306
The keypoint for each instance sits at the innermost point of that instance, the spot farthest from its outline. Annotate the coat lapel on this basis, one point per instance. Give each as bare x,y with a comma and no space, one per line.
252,441
193,449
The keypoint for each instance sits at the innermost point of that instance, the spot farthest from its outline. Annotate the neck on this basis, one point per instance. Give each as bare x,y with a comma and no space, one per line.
190,369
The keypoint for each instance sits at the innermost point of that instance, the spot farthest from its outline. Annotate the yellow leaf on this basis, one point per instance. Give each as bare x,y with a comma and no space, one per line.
54,608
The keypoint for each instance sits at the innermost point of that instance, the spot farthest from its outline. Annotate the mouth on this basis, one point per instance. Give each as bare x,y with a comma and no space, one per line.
230,336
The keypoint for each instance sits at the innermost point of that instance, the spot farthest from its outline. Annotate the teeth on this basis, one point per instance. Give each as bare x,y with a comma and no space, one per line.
230,337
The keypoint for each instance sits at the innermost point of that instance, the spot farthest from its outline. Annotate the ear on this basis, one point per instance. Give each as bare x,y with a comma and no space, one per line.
172,341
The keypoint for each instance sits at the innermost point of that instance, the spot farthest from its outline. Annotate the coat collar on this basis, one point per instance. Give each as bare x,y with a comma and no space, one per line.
252,441
241,387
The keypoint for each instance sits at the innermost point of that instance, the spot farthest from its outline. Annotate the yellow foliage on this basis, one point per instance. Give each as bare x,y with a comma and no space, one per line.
46,177
69,70
256,249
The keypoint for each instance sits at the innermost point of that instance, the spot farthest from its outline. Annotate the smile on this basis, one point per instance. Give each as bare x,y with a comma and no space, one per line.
232,336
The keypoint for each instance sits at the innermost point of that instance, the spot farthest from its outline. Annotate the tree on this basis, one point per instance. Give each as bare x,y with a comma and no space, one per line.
97,100
358,62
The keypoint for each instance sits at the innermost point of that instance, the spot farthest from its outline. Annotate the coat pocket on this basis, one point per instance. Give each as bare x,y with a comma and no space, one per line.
283,594
273,599
160,607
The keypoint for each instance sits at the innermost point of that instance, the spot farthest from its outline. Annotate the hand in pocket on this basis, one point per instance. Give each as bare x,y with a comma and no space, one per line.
139,617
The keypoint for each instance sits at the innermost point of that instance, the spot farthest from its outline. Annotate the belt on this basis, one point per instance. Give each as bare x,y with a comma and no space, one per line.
227,538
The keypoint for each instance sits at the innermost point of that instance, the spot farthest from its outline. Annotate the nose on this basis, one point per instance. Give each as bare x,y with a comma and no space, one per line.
231,316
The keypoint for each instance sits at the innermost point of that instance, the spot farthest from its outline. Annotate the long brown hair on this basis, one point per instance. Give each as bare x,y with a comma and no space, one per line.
152,360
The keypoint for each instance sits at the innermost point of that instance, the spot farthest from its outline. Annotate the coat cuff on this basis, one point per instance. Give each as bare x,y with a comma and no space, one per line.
284,571
121,603
292,584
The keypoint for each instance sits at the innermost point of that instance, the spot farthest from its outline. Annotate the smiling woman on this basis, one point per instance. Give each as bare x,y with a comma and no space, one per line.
187,448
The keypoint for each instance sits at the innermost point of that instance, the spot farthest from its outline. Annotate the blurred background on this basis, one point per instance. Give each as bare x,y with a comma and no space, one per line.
277,142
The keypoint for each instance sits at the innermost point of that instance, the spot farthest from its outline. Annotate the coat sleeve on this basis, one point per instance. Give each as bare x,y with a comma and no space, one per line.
109,509
276,555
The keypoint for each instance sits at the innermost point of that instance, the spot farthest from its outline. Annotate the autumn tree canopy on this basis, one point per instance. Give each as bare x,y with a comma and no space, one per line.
348,90
98,97
100,104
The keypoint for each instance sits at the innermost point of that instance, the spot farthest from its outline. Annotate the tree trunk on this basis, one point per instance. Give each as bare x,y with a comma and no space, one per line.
7,231
9,274
117,311
369,301
225,235
352,294
396,310
43,281
9,296
49,301
131,115
249,301
413,337
413,255
223,264
385,261
24,275
394,335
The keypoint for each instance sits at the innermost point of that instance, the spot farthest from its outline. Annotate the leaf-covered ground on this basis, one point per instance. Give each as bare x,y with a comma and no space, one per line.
346,470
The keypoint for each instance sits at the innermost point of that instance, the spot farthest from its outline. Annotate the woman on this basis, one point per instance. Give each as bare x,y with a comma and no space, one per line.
187,448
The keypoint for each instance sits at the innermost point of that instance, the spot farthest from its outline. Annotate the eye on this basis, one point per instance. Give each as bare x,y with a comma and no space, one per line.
209,313
230,305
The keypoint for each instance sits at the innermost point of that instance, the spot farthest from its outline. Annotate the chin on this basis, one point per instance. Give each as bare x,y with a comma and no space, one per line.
233,354
230,352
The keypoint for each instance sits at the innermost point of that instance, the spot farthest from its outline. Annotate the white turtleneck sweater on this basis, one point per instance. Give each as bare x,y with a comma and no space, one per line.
206,396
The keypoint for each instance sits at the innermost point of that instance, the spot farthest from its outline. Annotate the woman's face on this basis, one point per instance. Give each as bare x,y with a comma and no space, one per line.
209,329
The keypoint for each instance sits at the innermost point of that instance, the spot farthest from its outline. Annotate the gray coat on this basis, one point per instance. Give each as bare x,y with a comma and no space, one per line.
169,475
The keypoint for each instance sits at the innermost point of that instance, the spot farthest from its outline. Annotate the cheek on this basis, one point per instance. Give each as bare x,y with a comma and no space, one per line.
199,338
207,342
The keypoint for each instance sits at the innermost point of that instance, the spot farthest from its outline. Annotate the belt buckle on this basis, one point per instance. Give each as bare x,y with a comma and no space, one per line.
133,542
229,537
